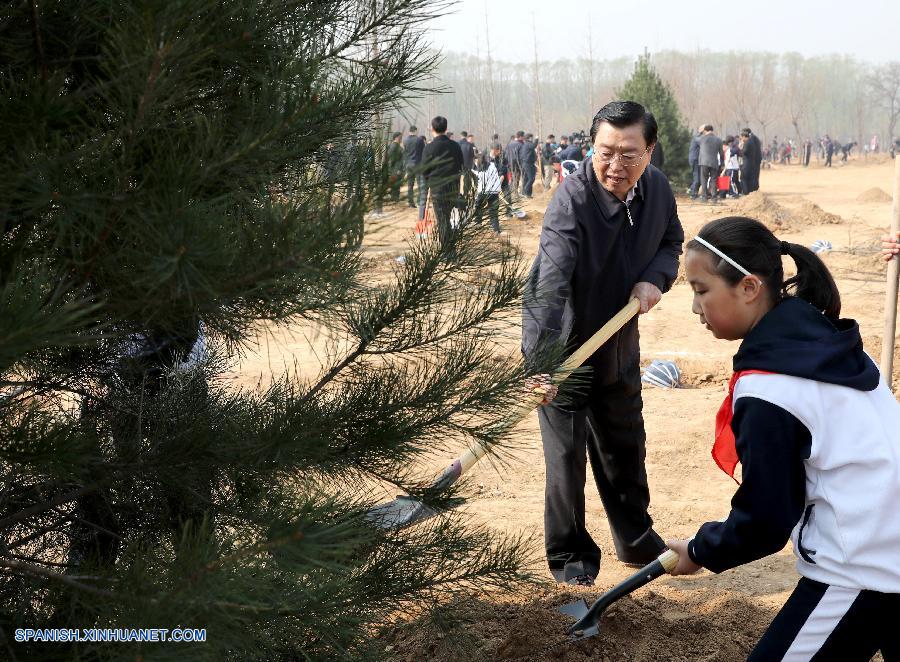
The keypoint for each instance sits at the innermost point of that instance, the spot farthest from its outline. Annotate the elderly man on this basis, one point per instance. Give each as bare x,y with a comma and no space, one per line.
610,233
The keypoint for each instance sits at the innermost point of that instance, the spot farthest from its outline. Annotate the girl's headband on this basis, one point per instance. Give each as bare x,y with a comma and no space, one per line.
722,255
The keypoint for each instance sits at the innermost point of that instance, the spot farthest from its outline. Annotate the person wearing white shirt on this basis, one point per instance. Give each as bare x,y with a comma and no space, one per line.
488,188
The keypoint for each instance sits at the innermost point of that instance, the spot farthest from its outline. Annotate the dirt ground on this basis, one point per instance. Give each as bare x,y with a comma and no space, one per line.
703,617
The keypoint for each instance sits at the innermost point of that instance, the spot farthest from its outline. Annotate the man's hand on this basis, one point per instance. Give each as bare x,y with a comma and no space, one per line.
541,384
648,294
890,246
685,565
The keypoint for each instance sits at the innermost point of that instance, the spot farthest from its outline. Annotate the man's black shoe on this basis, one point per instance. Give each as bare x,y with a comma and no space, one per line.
581,580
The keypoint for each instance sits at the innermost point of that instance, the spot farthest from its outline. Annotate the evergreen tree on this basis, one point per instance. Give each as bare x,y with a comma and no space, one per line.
176,173
648,89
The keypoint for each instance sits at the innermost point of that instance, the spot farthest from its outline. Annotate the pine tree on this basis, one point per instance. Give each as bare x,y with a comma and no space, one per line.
176,173
648,89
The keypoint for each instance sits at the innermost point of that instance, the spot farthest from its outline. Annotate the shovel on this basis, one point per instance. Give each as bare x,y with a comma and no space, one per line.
407,510
587,619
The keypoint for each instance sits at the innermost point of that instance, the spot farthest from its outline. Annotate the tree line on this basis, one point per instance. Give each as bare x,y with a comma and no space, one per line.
776,94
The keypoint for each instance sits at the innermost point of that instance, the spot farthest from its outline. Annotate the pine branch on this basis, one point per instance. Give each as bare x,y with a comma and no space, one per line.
39,508
68,580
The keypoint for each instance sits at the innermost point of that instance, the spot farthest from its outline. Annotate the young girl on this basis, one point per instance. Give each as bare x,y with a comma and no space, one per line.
817,433
488,198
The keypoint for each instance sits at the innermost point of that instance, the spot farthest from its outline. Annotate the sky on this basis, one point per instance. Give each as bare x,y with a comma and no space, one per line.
866,29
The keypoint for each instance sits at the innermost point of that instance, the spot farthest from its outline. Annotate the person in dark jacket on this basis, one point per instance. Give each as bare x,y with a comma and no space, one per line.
467,146
528,159
751,149
513,154
829,150
571,152
548,151
413,145
395,166
610,233
502,165
442,165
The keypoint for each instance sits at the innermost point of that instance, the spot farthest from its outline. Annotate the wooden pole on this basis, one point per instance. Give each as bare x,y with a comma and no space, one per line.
890,302
490,70
539,120
592,108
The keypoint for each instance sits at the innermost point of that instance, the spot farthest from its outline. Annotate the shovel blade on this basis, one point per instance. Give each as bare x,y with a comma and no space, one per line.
576,610
401,512
579,610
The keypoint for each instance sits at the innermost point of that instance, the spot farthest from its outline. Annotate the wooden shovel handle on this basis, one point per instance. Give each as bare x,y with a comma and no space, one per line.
594,343
668,559
890,303
533,400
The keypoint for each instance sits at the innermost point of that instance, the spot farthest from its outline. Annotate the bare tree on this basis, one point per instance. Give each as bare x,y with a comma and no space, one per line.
885,85
785,95
538,119
796,92
490,69
591,108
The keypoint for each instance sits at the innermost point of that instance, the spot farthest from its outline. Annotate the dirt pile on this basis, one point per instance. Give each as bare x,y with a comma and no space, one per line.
809,213
759,206
874,194
650,627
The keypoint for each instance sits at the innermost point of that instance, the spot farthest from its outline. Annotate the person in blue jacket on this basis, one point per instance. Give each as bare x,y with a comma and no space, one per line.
817,433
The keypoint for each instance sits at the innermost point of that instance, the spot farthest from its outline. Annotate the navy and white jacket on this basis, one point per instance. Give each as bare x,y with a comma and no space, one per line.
819,444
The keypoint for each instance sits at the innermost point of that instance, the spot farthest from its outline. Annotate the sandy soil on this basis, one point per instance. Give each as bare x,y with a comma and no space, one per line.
704,617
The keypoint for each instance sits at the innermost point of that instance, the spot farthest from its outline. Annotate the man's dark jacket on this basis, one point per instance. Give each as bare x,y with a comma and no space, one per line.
412,150
442,161
548,149
468,153
589,259
512,154
752,152
528,155
571,152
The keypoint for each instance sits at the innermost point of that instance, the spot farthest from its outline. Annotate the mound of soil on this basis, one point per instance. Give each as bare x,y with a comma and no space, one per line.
809,213
650,627
759,206
874,194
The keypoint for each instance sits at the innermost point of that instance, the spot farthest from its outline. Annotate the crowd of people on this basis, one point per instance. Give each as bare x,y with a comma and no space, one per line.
721,168
452,167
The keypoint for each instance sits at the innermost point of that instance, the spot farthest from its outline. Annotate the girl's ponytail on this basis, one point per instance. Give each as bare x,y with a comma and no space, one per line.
813,282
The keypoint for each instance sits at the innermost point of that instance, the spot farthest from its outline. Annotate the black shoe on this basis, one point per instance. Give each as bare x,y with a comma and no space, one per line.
581,580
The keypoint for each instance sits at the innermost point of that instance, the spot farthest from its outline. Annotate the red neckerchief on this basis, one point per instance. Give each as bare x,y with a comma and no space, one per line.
724,452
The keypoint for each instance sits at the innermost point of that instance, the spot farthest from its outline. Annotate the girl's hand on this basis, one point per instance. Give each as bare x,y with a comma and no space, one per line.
890,246
685,565
541,384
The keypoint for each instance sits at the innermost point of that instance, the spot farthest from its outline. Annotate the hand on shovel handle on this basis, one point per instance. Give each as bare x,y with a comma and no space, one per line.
542,384
682,564
890,246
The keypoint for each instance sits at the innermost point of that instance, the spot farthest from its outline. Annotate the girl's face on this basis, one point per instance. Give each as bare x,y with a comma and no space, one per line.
729,311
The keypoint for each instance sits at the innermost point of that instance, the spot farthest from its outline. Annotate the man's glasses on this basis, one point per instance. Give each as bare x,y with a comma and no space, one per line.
627,160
